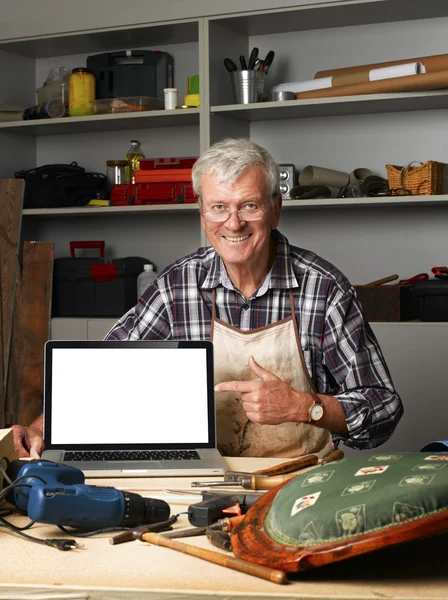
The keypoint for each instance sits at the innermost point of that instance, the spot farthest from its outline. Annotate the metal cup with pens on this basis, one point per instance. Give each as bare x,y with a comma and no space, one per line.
248,83
247,86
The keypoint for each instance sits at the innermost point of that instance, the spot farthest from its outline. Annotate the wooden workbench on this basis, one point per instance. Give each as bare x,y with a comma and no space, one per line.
136,570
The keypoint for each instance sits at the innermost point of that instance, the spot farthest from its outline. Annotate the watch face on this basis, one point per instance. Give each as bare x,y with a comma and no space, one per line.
316,412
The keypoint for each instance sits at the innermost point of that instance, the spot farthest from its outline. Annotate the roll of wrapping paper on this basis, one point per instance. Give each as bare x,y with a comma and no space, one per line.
405,70
414,83
436,62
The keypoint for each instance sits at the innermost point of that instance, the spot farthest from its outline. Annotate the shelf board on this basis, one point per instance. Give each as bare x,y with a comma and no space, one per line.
336,13
338,106
104,40
110,211
102,211
95,123
365,202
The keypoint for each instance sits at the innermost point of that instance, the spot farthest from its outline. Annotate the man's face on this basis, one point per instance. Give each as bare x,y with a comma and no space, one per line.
235,240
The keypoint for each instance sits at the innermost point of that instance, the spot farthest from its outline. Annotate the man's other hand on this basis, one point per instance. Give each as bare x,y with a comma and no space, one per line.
269,401
28,441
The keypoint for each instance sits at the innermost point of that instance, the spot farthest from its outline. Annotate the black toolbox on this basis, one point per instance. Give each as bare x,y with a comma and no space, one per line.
94,287
432,297
131,73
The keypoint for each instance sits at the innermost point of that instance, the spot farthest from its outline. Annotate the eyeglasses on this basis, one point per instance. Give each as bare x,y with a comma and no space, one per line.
249,212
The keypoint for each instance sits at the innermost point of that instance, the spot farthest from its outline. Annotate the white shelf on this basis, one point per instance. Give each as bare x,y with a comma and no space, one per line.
365,202
101,211
338,106
82,211
121,121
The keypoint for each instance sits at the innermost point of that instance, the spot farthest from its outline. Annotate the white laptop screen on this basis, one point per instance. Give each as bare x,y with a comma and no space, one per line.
128,394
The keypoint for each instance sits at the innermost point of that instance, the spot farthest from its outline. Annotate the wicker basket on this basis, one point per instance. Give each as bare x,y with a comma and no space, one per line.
423,180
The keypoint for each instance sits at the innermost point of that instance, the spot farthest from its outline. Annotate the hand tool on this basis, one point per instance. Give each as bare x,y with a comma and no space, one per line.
134,534
332,457
243,63
381,281
256,481
181,533
419,277
227,524
268,60
285,467
212,507
231,562
55,493
220,539
230,65
252,58
248,482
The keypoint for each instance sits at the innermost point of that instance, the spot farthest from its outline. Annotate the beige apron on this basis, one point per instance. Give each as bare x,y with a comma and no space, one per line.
277,348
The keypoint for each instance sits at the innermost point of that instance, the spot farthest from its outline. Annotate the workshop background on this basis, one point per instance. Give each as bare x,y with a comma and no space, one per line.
368,239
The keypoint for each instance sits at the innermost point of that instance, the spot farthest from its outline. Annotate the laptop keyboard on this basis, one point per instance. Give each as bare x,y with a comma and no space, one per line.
132,455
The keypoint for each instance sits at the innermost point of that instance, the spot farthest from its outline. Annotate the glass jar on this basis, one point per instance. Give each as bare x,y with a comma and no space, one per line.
81,93
117,172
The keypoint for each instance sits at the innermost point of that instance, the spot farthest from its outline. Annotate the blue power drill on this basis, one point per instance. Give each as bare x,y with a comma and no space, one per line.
56,494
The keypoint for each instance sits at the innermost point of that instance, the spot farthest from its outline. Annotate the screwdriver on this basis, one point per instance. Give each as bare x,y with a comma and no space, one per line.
248,482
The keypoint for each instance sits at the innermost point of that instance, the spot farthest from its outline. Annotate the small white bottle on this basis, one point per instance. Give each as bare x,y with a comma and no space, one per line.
146,277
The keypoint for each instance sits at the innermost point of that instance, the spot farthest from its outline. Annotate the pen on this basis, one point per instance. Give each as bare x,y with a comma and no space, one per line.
230,65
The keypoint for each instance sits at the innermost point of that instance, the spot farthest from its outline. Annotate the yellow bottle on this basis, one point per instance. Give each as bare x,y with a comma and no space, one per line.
81,93
133,157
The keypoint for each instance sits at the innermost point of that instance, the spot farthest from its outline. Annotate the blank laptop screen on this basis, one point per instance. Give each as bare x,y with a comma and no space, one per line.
127,394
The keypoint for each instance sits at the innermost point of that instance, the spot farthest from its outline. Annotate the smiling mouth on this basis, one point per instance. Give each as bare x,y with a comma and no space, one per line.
240,238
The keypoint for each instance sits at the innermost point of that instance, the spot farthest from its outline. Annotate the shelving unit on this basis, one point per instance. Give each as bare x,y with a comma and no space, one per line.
360,235
366,238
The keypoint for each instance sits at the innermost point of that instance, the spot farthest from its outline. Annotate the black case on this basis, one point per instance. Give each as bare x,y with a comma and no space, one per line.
131,73
432,296
78,293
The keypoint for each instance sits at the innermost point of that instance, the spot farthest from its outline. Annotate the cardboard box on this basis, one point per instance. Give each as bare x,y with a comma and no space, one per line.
388,303
7,449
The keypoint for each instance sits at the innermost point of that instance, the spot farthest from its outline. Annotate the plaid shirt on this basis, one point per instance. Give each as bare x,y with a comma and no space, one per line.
341,352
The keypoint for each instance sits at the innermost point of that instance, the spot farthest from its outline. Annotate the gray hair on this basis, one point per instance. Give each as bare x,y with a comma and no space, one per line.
230,158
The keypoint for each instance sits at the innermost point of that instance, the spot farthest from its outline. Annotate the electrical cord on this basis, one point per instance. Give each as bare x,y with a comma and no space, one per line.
61,544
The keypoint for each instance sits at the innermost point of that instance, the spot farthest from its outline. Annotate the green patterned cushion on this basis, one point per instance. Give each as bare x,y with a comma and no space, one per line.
358,495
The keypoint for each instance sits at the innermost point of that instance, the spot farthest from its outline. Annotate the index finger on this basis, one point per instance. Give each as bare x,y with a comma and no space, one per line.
234,386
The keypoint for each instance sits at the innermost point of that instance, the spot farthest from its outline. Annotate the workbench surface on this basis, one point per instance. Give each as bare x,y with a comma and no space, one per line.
137,570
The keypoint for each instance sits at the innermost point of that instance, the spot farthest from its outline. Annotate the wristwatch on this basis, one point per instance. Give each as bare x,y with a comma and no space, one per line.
316,411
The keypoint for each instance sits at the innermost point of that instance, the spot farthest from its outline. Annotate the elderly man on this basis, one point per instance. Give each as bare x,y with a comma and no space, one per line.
297,369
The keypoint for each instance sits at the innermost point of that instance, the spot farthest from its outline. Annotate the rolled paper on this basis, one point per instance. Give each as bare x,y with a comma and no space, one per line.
377,74
435,62
414,83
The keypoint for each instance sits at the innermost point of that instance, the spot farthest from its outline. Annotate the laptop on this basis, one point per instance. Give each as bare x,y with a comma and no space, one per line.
130,409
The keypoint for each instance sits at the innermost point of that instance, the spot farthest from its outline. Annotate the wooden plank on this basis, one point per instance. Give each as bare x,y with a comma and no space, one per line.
30,332
11,200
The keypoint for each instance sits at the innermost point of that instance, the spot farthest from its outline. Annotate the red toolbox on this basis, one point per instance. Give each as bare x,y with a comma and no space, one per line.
165,193
162,176
167,163
152,193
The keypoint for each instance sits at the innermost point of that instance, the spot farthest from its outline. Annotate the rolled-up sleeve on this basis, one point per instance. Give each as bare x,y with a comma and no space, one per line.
357,374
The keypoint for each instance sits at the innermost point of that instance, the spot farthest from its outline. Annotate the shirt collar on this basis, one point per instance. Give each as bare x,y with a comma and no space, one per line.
281,275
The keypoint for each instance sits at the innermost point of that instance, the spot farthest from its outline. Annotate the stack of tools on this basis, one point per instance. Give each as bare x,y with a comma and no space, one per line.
158,181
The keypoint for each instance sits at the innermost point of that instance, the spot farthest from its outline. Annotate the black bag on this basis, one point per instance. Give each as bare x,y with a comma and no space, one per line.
59,186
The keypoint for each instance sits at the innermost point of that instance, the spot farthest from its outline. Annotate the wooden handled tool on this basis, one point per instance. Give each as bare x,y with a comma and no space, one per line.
286,467
381,281
231,562
332,457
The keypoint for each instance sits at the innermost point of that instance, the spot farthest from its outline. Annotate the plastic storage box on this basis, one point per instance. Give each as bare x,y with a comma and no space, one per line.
129,104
